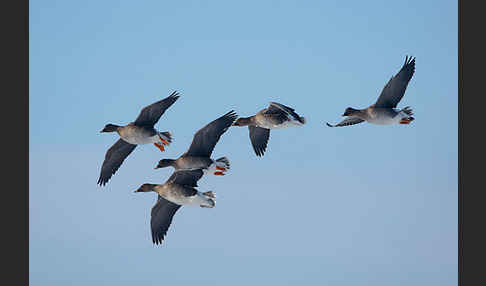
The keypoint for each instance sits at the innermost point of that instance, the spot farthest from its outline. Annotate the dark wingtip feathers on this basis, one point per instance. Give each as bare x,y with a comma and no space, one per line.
409,66
231,115
259,152
409,61
157,240
101,182
175,94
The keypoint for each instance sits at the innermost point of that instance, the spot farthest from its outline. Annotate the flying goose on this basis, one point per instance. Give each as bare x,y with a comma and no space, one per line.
203,143
141,131
276,116
177,191
383,111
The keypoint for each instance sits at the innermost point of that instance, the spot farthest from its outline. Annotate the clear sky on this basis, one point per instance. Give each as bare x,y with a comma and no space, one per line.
360,205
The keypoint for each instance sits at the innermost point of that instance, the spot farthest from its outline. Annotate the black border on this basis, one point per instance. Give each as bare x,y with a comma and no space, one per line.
460,137
471,106
15,115
470,162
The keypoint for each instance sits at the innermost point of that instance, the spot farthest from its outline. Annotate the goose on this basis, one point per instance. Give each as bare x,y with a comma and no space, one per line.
203,143
276,116
139,132
179,190
383,111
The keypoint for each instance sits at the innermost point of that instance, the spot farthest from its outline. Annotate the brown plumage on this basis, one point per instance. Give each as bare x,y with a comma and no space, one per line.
383,111
276,116
203,143
141,131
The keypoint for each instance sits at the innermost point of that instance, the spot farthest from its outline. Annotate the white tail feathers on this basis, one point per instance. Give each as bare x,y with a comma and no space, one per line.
209,203
408,111
210,194
223,162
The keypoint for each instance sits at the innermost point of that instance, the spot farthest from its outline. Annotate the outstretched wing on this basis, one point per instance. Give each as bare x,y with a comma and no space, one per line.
161,217
113,159
259,139
277,107
346,122
394,90
151,114
206,138
186,178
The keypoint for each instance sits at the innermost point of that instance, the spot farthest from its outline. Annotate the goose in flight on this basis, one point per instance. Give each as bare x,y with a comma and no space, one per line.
384,111
177,191
203,143
141,131
276,116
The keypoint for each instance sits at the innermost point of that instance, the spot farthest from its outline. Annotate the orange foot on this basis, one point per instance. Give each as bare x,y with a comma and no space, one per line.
160,146
221,169
406,120
219,173
163,141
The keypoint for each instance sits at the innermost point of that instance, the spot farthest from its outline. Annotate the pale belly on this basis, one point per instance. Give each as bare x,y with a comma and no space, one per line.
382,121
286,124
138,136
384,118
196,200
203,165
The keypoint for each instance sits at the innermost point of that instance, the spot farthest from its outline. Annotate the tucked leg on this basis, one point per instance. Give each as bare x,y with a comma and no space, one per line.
406,120
163,141
160,146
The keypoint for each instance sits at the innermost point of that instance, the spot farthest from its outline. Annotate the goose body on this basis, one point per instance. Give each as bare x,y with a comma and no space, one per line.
203,143
384,111
262,120
139,135
179,190
275,116
183,195
139,132
384,116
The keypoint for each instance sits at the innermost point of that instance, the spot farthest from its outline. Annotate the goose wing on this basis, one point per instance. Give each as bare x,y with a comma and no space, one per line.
276,107
113,159
161,217
394,90
259,139
186,178
206,138
151,114
346,122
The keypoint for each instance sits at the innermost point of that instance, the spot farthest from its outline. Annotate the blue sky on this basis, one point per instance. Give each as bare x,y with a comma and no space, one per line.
361,205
